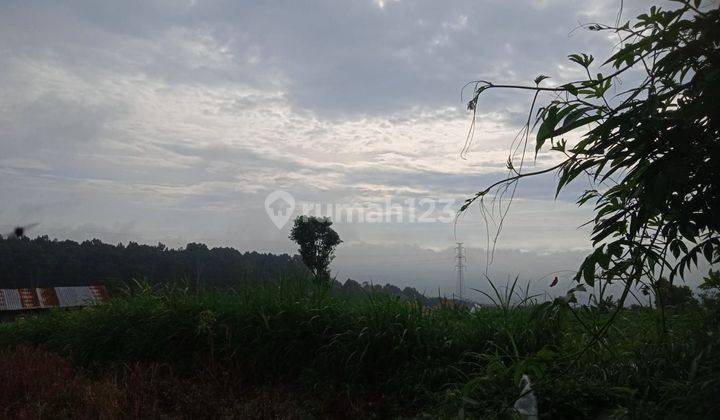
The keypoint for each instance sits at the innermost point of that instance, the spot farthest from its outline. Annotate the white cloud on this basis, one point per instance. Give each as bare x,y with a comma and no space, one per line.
174,121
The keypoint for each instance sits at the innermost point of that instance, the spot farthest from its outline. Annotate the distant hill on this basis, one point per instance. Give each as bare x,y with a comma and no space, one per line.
352,289
44,262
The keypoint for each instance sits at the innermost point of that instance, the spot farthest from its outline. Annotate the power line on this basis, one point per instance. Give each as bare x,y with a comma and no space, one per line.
460,267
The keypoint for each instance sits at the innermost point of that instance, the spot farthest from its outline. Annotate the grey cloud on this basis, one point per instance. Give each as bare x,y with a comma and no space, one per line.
170,121
337,57
51,122
463,185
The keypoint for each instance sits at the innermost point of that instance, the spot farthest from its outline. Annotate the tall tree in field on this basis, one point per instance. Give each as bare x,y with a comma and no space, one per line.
317,241
650,149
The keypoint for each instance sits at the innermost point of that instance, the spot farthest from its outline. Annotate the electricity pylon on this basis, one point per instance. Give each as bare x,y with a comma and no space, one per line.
460,267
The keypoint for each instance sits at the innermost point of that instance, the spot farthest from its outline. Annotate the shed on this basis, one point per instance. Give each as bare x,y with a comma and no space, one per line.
50,297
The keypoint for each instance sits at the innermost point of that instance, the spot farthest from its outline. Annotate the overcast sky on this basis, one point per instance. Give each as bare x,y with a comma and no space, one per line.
172,121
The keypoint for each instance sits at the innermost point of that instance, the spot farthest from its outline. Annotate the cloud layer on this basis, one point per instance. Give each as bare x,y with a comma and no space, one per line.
171,121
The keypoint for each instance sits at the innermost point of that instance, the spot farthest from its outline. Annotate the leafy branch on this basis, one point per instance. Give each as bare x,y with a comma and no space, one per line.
657,144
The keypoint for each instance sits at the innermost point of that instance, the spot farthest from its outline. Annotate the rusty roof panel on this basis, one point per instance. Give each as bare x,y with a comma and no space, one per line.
21,299
28,298
48,298
100,293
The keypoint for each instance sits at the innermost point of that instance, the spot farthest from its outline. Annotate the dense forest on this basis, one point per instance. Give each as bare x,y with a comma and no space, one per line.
44,262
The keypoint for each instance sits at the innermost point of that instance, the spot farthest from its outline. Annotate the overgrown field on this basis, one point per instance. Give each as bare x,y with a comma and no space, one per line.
294,351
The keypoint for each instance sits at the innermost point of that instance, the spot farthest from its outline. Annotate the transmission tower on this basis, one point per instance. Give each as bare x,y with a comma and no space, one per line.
460,267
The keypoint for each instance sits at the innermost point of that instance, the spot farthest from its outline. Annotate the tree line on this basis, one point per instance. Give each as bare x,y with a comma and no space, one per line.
45,262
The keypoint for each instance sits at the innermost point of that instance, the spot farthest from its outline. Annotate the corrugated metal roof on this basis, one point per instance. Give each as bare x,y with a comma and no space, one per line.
10,300
48,297
28,298
74,296
21,299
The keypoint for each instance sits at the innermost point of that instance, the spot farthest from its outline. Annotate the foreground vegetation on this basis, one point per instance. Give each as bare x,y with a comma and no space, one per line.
298,351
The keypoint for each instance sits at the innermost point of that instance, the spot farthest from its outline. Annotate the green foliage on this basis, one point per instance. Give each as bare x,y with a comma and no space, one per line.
650,150
42,262
317,241
710,295
393,357
669,294
711,283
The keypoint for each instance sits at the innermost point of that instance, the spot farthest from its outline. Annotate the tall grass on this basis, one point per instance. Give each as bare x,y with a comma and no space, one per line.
388,356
